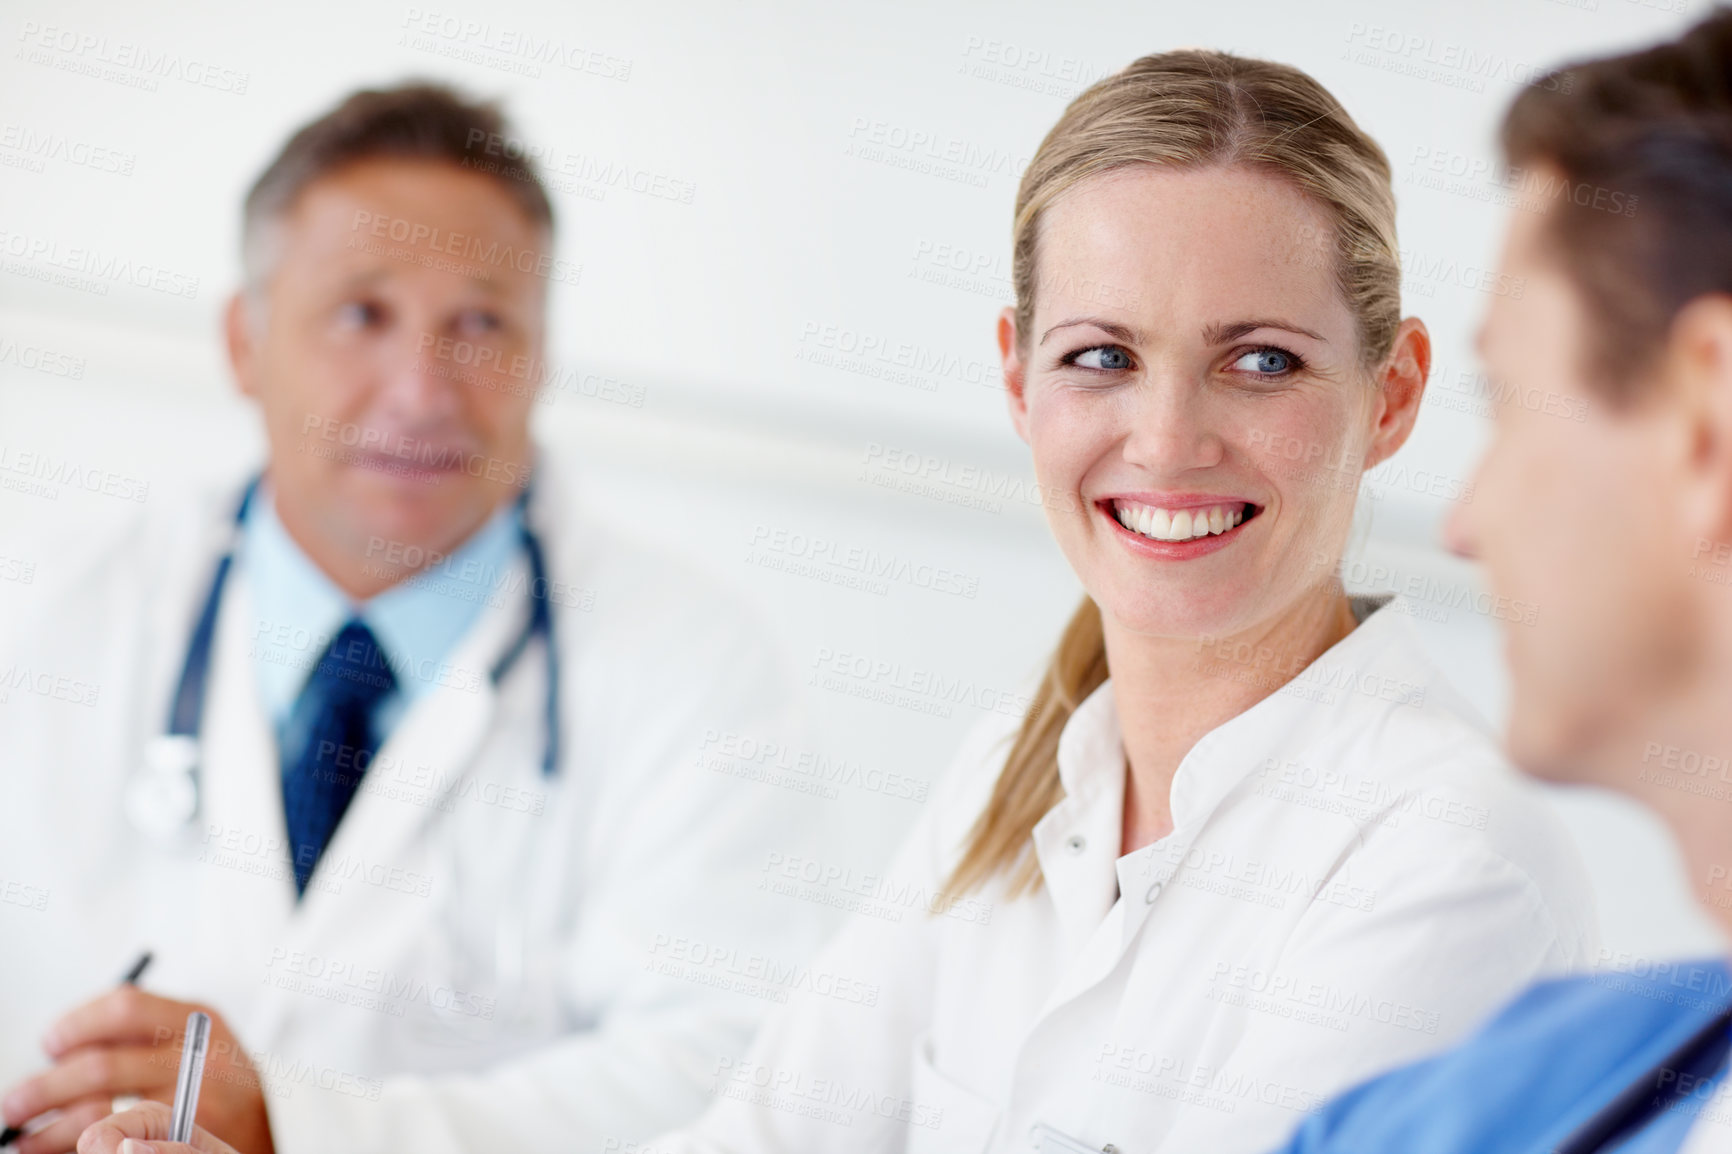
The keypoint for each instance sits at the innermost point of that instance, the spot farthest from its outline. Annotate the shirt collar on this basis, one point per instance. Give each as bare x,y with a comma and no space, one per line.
1371,666
417,621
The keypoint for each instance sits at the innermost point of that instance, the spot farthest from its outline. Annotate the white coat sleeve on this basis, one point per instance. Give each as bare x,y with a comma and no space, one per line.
833,1074
674,854
1379,974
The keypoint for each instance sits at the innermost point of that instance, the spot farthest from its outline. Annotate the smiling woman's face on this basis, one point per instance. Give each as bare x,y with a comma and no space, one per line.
1193,393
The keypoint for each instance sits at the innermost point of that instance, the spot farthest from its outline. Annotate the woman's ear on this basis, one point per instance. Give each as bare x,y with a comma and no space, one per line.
1011,356
1400,388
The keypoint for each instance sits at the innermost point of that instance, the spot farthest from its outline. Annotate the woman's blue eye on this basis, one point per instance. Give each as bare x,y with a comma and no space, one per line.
1269,362
1104,357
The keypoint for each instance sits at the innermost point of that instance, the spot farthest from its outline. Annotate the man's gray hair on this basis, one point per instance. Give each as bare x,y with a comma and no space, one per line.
412,121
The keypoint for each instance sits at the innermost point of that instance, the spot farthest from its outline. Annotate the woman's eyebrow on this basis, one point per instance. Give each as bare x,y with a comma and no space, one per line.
1113,329
1220,334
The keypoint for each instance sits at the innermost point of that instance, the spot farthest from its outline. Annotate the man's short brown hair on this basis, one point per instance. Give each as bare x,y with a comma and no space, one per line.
411,121
1643,222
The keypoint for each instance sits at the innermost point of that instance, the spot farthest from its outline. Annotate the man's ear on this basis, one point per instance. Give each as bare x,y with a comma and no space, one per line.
242,344
1011,357
1400,388
1697,368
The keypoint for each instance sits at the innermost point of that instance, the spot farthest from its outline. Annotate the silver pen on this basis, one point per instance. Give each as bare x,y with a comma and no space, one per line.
191,1074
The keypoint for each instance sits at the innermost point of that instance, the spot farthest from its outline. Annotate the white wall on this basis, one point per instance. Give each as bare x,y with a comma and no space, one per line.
792,162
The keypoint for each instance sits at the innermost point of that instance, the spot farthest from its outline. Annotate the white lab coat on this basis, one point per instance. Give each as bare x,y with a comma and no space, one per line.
478,961
1354,880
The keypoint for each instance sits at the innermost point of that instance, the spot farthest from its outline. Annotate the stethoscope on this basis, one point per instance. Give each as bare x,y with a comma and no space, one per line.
162,799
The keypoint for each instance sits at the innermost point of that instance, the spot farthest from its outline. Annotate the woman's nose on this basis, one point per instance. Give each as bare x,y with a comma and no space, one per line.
1170,428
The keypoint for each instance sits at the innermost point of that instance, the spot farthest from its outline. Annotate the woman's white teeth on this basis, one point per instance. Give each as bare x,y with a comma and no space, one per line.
1184,525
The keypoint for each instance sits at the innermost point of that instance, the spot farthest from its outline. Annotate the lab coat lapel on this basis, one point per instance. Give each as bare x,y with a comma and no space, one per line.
423,761
1077,843
242,839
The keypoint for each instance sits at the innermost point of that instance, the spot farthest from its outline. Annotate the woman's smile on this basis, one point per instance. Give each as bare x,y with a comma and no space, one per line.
1177,528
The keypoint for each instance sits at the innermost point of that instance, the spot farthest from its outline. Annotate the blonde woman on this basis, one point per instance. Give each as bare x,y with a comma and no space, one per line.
1247,847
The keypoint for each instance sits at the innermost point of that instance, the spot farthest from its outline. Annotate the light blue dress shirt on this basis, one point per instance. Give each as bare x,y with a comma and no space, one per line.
418,622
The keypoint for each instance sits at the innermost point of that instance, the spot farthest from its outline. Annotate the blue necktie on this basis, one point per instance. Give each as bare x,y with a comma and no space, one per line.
330,741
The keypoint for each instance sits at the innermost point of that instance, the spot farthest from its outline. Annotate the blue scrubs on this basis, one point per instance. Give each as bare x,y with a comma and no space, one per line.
1636,1057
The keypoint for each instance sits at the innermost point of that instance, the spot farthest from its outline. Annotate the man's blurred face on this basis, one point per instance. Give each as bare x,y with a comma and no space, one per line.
395,279
1577,514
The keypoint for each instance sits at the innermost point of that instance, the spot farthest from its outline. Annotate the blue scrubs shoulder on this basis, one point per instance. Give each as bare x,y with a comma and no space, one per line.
1555,1058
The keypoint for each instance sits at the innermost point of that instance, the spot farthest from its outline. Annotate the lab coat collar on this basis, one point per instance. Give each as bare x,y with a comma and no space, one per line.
1077,842
1349,685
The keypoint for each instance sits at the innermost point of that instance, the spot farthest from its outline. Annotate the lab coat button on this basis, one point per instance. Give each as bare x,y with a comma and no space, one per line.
1077,843
1154,892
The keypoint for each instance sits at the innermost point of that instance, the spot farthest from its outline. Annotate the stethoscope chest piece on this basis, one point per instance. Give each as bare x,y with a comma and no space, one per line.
162,799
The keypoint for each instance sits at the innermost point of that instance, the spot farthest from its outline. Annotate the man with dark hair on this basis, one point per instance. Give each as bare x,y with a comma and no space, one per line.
1617,526
419,782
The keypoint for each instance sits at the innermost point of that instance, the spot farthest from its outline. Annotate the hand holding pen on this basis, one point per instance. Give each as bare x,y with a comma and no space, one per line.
127,1042
141,1130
